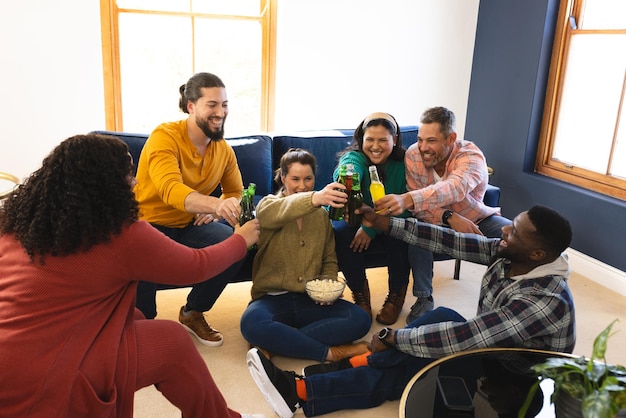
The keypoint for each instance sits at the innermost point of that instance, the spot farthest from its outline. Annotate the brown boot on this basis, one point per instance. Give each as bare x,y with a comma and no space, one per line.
392,307
362,299
339,352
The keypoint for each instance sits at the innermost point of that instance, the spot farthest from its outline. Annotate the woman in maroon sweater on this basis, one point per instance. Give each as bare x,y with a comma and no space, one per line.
71,253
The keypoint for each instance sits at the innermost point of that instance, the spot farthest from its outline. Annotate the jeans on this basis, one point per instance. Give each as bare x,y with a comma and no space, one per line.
386,377
203,295
352,263
421,260
293,325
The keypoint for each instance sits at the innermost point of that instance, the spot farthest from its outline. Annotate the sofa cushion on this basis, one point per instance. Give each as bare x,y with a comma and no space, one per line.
324,145
254,156
135,143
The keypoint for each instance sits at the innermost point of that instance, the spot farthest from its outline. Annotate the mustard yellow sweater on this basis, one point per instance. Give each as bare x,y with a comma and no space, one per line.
287,255
170,168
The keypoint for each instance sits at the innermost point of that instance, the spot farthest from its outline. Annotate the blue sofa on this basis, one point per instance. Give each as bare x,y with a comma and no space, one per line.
259,155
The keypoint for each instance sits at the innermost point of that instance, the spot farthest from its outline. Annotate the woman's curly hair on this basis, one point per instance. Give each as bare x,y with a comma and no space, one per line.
81,196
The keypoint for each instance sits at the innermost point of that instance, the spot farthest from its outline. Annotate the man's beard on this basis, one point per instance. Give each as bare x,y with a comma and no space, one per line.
217,135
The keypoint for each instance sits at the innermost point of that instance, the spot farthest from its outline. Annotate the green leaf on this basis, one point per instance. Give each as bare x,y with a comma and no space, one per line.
599,344
598,405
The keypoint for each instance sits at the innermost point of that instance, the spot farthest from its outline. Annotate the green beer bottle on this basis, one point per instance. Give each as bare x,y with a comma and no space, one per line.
355,199
247,207
336,214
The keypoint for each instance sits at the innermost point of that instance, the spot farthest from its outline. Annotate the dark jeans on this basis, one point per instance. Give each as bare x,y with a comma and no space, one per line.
352,263
293,325
386,377
203,295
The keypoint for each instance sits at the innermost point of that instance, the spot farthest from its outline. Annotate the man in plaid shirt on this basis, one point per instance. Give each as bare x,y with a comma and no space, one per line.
524,302
446,179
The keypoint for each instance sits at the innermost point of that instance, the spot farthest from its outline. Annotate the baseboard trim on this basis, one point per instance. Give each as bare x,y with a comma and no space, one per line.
597,271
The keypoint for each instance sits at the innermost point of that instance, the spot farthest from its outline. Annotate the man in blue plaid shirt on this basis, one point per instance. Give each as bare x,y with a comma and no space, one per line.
524,302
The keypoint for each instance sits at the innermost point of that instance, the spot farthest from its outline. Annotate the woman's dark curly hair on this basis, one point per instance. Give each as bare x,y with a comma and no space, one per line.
81,196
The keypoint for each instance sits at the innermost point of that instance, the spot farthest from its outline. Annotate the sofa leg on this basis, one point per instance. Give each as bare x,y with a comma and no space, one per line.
457,269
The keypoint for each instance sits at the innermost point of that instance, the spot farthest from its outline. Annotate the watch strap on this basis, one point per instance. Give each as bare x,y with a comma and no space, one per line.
384,337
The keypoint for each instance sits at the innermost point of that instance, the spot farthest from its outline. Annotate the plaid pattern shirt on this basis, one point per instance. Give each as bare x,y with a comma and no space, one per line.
461,189
535,310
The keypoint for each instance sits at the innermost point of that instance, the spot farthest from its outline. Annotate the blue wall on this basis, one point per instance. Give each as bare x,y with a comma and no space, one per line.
507,89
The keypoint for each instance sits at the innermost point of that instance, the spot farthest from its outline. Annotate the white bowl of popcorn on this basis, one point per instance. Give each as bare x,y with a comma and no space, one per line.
325,289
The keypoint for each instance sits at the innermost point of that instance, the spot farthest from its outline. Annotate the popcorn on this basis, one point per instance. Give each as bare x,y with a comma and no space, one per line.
325,290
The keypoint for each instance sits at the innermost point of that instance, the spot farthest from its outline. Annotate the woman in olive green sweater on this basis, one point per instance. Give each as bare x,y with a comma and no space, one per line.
296,244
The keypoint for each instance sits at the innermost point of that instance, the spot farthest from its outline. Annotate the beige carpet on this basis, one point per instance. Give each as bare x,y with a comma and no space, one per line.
596,307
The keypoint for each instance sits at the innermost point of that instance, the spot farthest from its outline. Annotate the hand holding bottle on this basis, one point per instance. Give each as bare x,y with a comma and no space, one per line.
333,195
250,231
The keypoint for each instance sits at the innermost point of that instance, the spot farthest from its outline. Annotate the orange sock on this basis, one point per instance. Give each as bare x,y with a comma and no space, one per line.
360,360
301,389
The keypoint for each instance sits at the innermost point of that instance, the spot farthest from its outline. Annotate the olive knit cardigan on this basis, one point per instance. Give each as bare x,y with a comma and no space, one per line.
288,254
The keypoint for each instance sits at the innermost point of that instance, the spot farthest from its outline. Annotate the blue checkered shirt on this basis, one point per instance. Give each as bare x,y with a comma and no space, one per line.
535,310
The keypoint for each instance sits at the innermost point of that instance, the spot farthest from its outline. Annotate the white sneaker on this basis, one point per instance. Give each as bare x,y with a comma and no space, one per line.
253,416
278,386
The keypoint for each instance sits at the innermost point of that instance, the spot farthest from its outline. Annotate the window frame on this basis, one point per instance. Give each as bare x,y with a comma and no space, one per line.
545,164
109,13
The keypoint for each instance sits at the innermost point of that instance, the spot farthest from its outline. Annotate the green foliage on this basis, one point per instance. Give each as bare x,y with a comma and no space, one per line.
601,387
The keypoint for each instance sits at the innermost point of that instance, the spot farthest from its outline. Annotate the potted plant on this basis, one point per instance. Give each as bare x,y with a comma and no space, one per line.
585,387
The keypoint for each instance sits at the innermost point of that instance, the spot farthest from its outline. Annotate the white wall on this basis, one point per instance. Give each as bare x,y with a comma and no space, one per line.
406,55
402,57
50,78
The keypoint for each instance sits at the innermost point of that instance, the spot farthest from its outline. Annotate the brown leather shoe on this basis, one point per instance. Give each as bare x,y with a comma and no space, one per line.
392,307
339,352
362,299
195,323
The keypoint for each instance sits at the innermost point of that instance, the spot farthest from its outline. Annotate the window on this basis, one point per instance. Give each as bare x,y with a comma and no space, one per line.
151,47
583,138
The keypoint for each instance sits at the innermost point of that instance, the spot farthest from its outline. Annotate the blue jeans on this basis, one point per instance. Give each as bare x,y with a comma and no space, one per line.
352,263
293,325
203,295
386,377
421,260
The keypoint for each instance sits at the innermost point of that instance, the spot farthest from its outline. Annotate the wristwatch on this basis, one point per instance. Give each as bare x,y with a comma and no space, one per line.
446,215
383,334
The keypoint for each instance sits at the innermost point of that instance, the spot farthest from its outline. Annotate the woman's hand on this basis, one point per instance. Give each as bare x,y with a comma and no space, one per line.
250,231
361,241
333,194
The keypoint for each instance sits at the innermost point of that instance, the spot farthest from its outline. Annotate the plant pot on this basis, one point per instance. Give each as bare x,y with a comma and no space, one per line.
565,406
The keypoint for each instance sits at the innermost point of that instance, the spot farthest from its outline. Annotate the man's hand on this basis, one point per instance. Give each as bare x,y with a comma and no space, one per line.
203,218
373,220
393,204
229,209
376,345
462,224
